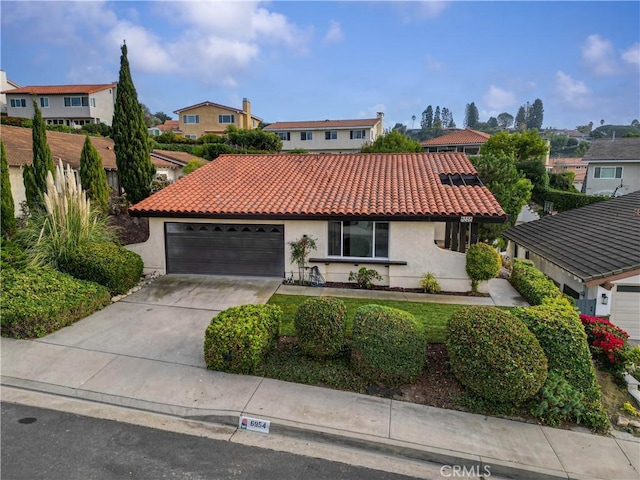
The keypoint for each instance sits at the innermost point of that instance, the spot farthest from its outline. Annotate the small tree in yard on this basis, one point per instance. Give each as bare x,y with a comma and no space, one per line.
42,162
483,263
92,175
300,250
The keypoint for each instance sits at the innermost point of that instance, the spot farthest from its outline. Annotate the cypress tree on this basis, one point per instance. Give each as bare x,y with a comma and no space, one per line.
30,188
42,158
93,178
135,170
7,218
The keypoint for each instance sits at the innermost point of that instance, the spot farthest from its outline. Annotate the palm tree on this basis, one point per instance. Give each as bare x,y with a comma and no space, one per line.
413,121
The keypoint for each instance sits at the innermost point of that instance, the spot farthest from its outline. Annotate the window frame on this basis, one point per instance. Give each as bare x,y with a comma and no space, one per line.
231,118
18,103
68,102
284,136
195,119
191,136
617,173
44,102
374,244
306,136
331,135
362,133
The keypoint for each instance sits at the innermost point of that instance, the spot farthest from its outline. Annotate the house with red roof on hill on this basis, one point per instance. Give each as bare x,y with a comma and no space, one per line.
69,105
401,214
466,141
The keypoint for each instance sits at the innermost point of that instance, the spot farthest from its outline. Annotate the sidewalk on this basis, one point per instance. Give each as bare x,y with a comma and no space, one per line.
92,364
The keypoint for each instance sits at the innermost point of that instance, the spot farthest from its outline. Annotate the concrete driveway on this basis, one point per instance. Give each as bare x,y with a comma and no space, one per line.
165,320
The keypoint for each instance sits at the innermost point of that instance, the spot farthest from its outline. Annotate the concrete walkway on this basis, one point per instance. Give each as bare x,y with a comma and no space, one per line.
145,352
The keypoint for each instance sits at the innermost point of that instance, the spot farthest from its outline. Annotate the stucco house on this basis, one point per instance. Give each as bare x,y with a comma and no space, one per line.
5,85
167,126
197,120
401,214
18,143
613,167
70,105
328,136
466,141
572,164
592,253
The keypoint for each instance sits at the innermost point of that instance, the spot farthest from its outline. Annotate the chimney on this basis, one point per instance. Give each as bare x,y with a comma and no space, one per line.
380,115
380,127
246,108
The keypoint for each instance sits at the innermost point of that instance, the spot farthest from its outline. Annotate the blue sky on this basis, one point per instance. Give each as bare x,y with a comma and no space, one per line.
338,60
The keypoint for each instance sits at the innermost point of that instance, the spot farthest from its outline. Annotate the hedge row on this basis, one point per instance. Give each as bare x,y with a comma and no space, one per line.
321,326
38,301
563,201
531,283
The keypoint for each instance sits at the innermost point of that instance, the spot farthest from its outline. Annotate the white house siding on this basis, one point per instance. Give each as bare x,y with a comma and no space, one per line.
625,307
412,242
630,180
343,143
17,188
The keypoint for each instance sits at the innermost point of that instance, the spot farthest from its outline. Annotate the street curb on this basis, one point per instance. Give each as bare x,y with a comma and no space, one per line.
286,428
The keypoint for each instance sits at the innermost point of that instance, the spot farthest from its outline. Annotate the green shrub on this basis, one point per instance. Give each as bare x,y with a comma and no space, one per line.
495,355
12,255
38,301
108,264
238,339
483,263
209,138
364,277
558,401
531,283
387,345
321,324
563,201
193,165
429,283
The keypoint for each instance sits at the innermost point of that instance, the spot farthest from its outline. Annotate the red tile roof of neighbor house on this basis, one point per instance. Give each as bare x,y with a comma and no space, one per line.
181,158
461,137
320,124
60,89
67,147
401,186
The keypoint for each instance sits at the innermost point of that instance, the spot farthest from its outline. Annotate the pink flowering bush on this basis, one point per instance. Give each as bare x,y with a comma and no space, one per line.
605,339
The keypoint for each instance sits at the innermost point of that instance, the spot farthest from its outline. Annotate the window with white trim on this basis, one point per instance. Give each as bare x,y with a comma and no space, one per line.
358,134
76,101
191,136
360,239
607,172
331,135
92,101
191,119
226,119
306,136
44,102
284,136
18,103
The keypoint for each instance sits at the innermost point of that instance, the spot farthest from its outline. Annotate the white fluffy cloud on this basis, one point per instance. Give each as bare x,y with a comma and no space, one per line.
598,54
571,91
632,54
497,98
334,34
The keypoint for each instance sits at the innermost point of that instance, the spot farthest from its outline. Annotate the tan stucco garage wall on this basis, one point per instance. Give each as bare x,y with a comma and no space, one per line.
411,242
17,188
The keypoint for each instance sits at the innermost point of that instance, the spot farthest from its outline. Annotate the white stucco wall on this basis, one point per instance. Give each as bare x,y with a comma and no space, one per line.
630,181
17,188
625,307
412,242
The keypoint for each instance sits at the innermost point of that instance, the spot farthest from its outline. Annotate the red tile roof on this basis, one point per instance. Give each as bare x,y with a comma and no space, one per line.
176,158
60,89
461,137
322,124
402,186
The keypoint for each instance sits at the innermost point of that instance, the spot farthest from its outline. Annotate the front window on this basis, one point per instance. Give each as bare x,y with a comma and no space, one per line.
331,135
226,119
18,103
359,239
76,101
191,119
191,136
44,102
93,101
607,172
284,136
358,134
306,136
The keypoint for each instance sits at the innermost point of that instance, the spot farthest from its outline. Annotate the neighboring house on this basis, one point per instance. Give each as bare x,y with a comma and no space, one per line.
70,105
172,163
5,86
401,214
575,165
466,141
208,117
613,167
575,134
167,126
587,252
328,136
68,147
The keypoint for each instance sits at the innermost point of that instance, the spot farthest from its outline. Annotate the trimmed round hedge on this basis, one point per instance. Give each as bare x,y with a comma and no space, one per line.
483,263
238,339
494,354
321,325
387,345
108,264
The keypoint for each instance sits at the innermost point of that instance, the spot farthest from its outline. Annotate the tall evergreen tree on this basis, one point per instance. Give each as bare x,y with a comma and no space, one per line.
427,118
93,178
42,158
536,115
436,115
505,120
471,115
521,119
30,187
7,214
135,170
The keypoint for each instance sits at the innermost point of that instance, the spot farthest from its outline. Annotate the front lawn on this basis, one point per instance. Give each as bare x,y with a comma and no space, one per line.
433,316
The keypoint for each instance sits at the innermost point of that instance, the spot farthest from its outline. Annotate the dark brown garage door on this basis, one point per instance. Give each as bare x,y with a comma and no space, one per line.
225,249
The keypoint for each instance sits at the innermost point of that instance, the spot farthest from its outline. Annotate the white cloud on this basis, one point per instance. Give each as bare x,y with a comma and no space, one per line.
632,54
598,55
497,98
144,49
334,34
429,9
571,91
433,65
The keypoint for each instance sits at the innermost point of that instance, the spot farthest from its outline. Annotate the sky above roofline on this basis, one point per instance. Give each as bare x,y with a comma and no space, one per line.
301,61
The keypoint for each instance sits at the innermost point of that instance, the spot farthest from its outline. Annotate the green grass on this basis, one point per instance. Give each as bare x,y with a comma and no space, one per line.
433,316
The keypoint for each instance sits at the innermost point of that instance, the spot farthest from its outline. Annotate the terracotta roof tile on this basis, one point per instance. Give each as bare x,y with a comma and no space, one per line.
461,137
285,185
320,124
60,89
